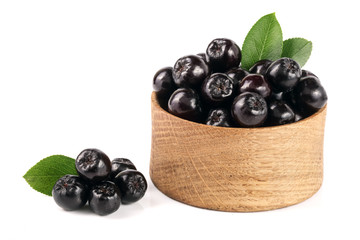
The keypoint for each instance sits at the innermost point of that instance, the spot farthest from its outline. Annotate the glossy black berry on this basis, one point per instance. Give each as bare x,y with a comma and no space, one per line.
280,113
185,103
283,74
190,71
237,74
217,89
249,109
119,165
132,185
202,56
299,116
70,192
163,82
255,83
309,95
105,198
279,96
93,165
260,67
219,117
223,54
305,73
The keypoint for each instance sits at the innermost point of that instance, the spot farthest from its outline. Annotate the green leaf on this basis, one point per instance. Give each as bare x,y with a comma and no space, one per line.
43,175
298,49
263,41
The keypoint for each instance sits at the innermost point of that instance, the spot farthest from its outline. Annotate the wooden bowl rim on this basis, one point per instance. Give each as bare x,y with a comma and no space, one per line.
171,116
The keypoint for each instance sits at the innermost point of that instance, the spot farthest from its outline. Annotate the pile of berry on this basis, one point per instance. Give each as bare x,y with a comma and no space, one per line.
212,88
101,182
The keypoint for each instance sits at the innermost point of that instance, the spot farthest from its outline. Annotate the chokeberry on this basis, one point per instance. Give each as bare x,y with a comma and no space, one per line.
202,56
70,192
217,89
163,82
305,73
249,109
105,198
255,83
283,74
119,165
299,116
190,71
223,54
309,95
279,96
132,185
219,117
260,67
237,74
279,113
93,165
185,103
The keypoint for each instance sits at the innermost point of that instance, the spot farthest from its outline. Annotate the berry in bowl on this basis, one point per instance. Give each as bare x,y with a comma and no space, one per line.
231,136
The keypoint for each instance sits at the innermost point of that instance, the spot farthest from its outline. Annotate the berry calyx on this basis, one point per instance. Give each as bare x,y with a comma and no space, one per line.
217,89
93,165
105,198
283,74
132,185
190,71
70,192
223,54
219,117
249,109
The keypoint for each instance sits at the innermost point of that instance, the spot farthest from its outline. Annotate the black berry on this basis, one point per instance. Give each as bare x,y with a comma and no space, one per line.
223,54
190,71
163,82
93,165
255,83
283,74
237,74
119,165
260,67
280,113
305,73
309,95
299,116
70,192
202,56
217,89
219,117
132,185
249,109
105,198
279,96
185,103
212,88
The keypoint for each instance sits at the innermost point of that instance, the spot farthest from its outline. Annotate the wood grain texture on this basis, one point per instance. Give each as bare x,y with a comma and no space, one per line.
236,169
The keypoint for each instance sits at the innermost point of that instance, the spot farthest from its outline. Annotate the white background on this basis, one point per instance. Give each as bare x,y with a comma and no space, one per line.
78,74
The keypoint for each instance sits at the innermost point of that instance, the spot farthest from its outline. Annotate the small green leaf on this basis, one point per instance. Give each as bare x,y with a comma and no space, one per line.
298,49
263,41
43,175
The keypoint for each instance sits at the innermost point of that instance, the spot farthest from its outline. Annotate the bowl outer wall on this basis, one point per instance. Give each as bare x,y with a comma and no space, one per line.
236,169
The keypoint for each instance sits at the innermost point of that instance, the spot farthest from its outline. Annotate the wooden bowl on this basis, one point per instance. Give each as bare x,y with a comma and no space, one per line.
236,169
